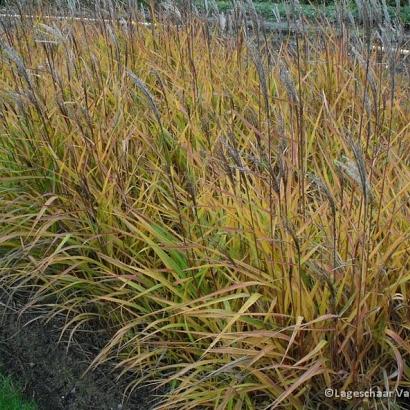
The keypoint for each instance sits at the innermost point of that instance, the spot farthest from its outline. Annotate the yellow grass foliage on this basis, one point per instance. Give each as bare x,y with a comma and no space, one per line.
236,211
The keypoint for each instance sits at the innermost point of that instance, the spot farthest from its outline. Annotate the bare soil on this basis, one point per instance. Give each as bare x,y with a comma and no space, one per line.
52,374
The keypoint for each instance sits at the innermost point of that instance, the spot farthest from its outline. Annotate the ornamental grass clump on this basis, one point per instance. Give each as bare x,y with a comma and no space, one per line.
234,211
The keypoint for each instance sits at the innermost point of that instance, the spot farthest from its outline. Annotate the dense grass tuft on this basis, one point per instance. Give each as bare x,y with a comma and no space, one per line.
237,210
10,397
